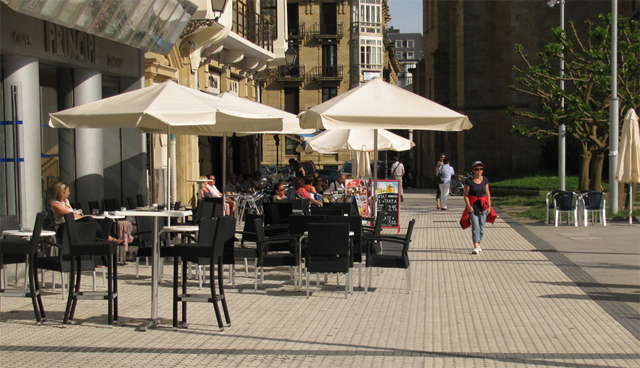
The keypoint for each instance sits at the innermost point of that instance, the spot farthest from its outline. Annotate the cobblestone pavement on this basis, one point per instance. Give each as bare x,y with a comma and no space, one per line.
508,306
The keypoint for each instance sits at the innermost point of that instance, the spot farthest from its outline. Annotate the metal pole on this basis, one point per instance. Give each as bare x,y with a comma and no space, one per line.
562,133
613,110
374,205
16,155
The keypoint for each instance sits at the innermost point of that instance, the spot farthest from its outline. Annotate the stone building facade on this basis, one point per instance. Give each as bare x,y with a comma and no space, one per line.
468,66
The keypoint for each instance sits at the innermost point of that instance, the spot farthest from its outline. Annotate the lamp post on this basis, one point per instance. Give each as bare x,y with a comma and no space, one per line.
562,132
614,110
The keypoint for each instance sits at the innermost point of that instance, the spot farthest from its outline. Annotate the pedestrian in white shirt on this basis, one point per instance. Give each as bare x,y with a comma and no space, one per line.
397,172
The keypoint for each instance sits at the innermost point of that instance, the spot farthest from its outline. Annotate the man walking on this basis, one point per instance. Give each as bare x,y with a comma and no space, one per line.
397,172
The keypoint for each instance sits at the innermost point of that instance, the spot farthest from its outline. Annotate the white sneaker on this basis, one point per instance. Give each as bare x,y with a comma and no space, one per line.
475,251
479,249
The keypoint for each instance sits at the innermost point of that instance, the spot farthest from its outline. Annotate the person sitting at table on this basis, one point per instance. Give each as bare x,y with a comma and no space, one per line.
279,193
257,180
338,185
247,183
231,187
302,192
205,190
320,185
60,206
230,205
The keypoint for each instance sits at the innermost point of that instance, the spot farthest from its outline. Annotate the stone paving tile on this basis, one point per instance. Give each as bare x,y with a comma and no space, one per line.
508,306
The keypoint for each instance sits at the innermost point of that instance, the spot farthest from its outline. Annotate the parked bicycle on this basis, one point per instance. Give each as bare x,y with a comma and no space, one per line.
457,183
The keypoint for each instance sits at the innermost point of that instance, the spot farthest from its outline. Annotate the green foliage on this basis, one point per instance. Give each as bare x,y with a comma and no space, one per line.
537,182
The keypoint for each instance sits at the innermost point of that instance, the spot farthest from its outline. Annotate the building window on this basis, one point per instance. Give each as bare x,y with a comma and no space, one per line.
290,146
398,55
369,18
410,55
371,54
329,93
398,44
269,10
410,44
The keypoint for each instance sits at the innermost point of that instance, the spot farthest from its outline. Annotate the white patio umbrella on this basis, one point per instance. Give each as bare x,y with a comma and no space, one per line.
380,105
166,107
628,170
360,142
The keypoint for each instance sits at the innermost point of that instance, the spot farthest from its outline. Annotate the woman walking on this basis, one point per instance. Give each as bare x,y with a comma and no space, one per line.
477,198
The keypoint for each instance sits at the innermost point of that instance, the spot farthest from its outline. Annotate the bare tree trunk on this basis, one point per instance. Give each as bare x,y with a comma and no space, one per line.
585,160
596,172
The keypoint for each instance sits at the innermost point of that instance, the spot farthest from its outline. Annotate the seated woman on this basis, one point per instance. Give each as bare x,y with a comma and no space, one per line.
302,192
211,191
320,185
279,193
60,206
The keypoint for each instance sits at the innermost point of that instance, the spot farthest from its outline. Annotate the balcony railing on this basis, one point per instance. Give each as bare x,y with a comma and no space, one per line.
325,31
366,27
290,74
327,73
297,32
251,26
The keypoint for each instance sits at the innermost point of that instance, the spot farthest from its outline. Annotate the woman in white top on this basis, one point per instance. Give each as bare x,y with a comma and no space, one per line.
60,206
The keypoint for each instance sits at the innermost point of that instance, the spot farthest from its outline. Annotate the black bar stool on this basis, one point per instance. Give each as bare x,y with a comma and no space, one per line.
80,248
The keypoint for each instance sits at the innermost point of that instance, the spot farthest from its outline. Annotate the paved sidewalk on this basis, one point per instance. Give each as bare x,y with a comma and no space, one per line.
518,303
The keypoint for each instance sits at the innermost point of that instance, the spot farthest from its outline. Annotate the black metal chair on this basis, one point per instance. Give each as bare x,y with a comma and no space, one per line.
95,248
94,205
329,250
358,250
140,200
14,250
130,204
212,236
112,204
232,252
62,261
387,254
268,257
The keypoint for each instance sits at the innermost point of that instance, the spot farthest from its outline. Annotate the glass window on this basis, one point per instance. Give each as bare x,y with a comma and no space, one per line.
269,10
290,146
398,55
410,44
329,93
410,55
398,44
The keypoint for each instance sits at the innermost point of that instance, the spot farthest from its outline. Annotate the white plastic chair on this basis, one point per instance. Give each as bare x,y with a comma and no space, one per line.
566,202
550,205
594,203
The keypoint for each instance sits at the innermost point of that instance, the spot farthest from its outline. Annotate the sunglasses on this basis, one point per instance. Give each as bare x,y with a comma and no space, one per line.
478,169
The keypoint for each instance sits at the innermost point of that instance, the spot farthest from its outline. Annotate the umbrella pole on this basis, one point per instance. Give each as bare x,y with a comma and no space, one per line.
168,178
631,185
224,171
375,173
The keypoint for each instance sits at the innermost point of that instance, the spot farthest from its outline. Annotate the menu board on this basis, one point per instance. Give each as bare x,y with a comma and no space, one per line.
388,205
358,189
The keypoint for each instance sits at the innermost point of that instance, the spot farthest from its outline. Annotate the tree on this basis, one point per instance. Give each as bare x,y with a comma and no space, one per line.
587,88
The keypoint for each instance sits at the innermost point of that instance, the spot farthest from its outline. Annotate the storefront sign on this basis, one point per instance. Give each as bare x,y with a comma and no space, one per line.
21,39
71,43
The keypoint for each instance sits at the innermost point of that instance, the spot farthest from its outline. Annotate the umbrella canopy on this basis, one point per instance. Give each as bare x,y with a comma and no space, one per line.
165,106
290,122
341,140
629,156
380,105
361,165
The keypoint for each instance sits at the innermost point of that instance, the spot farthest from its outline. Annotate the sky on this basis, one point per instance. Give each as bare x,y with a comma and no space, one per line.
406,15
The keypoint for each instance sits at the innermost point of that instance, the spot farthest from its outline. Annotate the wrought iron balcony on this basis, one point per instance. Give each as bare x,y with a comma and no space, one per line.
289,74
323,73
297,32
326,31
252,26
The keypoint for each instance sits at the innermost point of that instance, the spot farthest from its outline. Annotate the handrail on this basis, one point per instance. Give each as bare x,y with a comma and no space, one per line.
252,26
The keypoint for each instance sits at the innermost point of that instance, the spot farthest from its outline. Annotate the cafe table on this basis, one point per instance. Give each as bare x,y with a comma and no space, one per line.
155,255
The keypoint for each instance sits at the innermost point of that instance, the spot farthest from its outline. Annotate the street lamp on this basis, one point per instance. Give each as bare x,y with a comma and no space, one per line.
562,132
290,55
